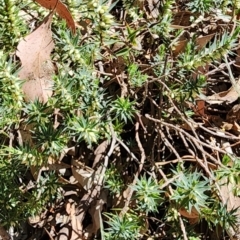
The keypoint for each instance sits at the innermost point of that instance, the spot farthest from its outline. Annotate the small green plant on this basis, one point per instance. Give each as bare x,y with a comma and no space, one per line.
84,129
124,227
189,89
136,78
201,6
230,173
49,140
16,203
26,154
11,95
217,215
113,180
11,24
147,194
123,109
207,6
191,189
37,112
191,59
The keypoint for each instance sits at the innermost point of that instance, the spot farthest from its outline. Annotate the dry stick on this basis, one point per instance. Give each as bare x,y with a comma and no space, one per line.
217,69
158,128
231,232
122,84
48,233
169,181
179,112
144,95
191,143
189,136
186,145
106,159
101,70
205,167
143,157
204,153
11,138
231,145
128,150
141,123
183,117
169,134
196,139
199,146
169,145
161,90
89,197
203,163
153,147
184,158
190,150
231,77
19,138
228,136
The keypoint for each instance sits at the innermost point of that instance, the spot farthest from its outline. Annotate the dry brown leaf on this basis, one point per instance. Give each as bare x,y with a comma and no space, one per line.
179,47
83,174
38,220
228,96
37,69
183,18
202,41
228,198
4,234
61,9
99,152
234,114
191,215
64,233
95,212
152,8
232,202
76,225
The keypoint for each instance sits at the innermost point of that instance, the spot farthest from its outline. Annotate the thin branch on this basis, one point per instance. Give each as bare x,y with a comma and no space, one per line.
185,133
143,158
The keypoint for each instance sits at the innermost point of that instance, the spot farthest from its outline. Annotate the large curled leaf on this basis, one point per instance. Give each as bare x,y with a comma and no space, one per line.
37,69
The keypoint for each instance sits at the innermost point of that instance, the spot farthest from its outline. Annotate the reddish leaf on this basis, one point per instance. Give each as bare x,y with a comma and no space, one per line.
61,9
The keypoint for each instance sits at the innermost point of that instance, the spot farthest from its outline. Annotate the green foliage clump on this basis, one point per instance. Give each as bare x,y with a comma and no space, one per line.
147,194
113,180
191,191
123,227
132,70
11,24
